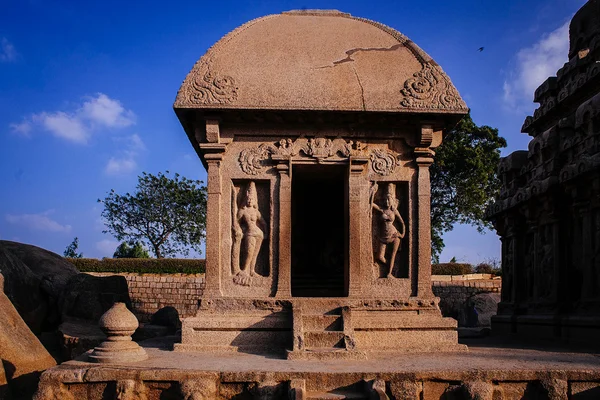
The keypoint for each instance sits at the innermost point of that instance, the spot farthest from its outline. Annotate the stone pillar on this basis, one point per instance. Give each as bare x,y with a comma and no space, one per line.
423,158
284,281
359,263
213,156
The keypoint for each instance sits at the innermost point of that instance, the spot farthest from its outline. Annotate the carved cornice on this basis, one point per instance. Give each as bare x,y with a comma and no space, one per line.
252,160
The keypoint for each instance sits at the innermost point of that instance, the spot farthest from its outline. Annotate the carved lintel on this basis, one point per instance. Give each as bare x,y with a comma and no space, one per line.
213,134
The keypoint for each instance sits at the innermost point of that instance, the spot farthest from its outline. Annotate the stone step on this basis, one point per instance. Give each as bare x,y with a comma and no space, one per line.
319,322
329,339
335,395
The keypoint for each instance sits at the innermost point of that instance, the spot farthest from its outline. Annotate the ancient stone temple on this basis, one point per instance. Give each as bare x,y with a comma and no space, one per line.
317,130
548,213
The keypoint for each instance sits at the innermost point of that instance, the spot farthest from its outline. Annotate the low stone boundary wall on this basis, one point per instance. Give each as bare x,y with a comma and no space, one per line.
151,292
454,293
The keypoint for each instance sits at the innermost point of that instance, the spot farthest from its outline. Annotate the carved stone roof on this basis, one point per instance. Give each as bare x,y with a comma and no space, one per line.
318,60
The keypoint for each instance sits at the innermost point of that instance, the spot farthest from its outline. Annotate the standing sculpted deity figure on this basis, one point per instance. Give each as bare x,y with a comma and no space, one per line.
248,233
387,233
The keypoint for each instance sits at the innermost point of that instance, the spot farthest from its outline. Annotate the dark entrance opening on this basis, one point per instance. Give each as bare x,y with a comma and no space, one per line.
319,231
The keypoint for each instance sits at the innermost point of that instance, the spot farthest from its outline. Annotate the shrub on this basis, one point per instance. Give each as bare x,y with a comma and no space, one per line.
484,268
451,269
140,265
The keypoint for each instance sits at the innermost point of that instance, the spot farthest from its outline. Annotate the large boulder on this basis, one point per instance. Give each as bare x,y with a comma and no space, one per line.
21,353
87,297
35,281
479,309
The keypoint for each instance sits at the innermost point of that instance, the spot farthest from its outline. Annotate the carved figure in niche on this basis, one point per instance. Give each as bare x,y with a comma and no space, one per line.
546,266
248,233
387,234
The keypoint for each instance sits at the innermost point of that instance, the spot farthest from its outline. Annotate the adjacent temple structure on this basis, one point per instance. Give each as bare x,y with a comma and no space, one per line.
548,212
317,130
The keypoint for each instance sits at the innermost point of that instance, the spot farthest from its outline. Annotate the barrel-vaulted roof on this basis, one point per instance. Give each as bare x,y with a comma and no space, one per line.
318,60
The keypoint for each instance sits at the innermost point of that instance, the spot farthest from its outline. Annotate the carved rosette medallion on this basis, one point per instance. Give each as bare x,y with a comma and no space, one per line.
204,86
383,162
431,88
252,160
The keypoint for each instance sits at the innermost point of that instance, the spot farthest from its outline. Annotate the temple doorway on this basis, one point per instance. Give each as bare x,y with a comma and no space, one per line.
319,231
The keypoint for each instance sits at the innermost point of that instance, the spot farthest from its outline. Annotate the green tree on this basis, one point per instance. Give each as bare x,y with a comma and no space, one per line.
463,179
167,214
71,250
131,250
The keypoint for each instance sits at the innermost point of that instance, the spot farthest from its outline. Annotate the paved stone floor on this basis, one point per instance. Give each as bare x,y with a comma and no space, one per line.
484,357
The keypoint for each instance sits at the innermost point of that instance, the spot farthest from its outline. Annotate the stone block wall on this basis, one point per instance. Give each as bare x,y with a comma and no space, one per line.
151,292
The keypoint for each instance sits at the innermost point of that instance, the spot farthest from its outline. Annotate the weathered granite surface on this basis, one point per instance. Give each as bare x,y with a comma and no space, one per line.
317,130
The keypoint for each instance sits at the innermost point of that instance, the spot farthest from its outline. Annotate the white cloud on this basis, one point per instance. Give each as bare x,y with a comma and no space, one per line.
78,126
107,247
126,161
7,51
23,128
107,112
38,222
534,65
64,126
136,143
120,166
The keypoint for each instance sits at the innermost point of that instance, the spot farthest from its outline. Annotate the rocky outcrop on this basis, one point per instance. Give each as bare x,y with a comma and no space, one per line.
35,281
88,297
21,353
46,289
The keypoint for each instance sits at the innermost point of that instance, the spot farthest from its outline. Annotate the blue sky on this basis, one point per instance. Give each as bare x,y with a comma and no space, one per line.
86,94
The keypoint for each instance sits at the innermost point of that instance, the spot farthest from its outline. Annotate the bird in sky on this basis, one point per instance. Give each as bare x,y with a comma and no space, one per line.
480,49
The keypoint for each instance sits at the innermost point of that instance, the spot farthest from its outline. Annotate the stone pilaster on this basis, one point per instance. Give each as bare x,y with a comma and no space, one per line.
284,280
359,260
213,154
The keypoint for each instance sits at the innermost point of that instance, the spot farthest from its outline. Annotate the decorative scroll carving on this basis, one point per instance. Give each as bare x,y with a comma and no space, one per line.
383,162
431,88
252,160
207,87
248,233
387,234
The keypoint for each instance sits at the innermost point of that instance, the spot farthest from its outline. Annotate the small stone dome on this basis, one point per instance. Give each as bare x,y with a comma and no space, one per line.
318,60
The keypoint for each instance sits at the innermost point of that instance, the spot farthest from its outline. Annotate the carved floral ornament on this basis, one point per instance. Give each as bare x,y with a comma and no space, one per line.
431,88
322,149
204,86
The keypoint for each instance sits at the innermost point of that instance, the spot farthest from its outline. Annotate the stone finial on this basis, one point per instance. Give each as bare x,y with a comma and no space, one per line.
118,324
